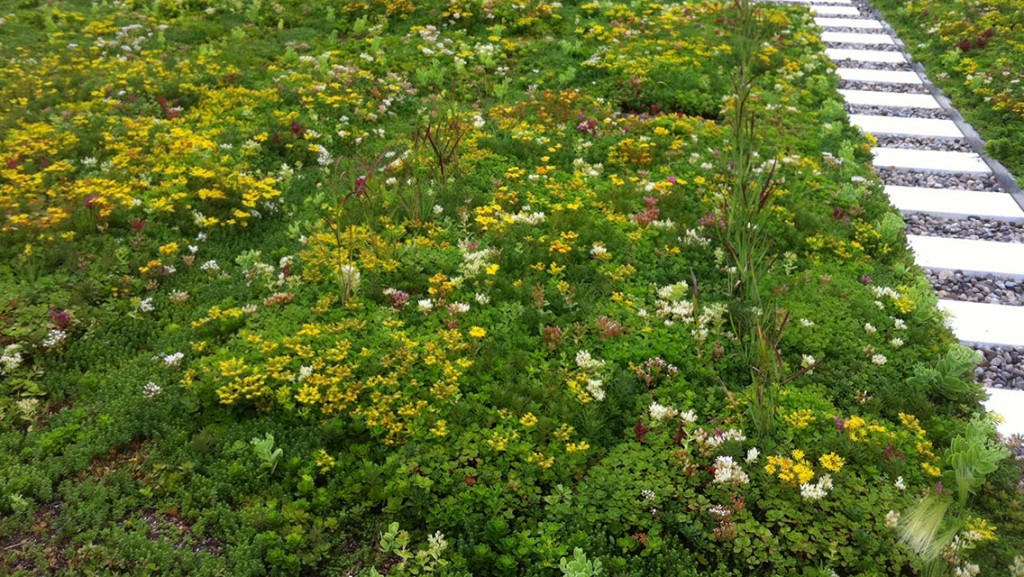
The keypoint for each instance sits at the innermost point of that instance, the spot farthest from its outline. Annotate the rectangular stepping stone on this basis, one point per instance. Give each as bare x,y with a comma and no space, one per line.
976,257
895,99
864,23
1009,404
930,160
835,10
857,38
882,76
932,127
865,55
952,203
985,323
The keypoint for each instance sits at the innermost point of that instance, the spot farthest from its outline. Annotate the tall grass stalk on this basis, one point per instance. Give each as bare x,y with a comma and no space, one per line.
744,214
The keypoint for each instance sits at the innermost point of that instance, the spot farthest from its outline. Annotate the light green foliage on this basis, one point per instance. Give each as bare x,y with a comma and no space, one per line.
265,451
424,561
949,377
579,565
973,456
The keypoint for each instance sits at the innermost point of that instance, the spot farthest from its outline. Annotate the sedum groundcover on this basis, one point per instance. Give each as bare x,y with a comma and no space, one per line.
466,288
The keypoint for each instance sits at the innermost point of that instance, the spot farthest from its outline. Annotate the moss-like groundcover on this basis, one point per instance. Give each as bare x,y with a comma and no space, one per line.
466,288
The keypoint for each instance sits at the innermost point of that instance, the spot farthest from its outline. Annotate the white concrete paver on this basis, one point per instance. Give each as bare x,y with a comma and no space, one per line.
985,323
971,257
893,99
887,56
1009,404
932,127
952,203
862,23
882,76
857,38
930,160
834,10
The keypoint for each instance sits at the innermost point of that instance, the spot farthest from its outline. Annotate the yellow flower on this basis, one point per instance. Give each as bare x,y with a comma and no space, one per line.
528,420
542,461
978,529
499,442
931,469
832,462
493,269
803,473
800,419
564,432
324,461
440,428
798,454
577,447
478,332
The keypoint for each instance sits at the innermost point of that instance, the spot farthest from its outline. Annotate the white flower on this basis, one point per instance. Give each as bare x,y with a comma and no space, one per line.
458,308
900,324
146,305
817,490
688,417
174,359
438,209
11,359
437,541
807,360
900,484
674,292
350,277
210,265
588,363
892,519
595,388
597,251
806,323
752,455
54,338
661,412
726,471
896,342
150,390
870,328
324,157
305,371
647,494
879,359
481,298
425,304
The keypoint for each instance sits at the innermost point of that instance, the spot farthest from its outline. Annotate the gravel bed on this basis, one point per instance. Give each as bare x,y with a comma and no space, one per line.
972,228
923,142
897,111
977,289
901,66
1002,367
900,177
851,46
884,87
